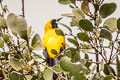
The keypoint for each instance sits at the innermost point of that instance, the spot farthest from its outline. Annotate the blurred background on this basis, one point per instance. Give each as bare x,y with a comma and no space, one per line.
38,12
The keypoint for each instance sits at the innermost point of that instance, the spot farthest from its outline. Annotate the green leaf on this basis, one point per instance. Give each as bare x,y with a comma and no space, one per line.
70,15
74,22
118,24
118,66
68,66
29,30
98,21
73,41
16,76
72,1
112,24
40,76
106,27
29,77
18,25
36,42
48,74
5,54
88,64
107,9
75,57
17,64
59,32
27,54
108,77
73,54
86,25
6,37
78,13
85,48
106,34
3,22
57,68
83,36
34,78
108,69
54,51
64,2
79,76
86,56
23,44
1,43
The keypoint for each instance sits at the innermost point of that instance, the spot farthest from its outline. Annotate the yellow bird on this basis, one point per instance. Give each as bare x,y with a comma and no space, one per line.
52,41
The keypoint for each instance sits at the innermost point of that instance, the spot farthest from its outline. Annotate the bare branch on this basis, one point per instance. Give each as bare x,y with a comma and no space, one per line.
23,9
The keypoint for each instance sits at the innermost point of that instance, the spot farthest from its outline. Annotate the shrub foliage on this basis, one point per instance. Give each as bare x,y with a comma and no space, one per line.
92,51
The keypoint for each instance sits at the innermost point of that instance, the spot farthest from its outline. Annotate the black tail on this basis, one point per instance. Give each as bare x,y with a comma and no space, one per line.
51,62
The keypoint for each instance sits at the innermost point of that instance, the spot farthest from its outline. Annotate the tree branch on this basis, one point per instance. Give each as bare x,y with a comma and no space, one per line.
112,48
23,9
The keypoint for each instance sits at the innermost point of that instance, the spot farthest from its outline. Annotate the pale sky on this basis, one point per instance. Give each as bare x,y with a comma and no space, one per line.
37,12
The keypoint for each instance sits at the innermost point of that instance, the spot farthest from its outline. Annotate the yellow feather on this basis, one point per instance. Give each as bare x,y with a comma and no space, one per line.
53,41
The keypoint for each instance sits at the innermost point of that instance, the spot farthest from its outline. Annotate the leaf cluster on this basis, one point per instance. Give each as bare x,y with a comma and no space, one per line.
95,48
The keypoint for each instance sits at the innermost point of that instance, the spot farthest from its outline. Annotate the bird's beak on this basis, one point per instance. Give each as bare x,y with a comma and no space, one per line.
58,19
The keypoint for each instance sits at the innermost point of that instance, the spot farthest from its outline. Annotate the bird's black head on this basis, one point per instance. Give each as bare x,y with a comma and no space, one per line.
54,24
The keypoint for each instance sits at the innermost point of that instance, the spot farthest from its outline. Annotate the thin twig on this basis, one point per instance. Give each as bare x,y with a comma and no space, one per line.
23,75
23,9
100,63
18,42
113,48
96,50
90,15
30,50
38,56
114,56
101,2
4,74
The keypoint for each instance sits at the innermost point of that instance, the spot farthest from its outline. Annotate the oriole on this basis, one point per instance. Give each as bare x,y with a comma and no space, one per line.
51,40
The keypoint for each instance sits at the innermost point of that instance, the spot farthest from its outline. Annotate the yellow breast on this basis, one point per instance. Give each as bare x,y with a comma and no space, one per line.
53,41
